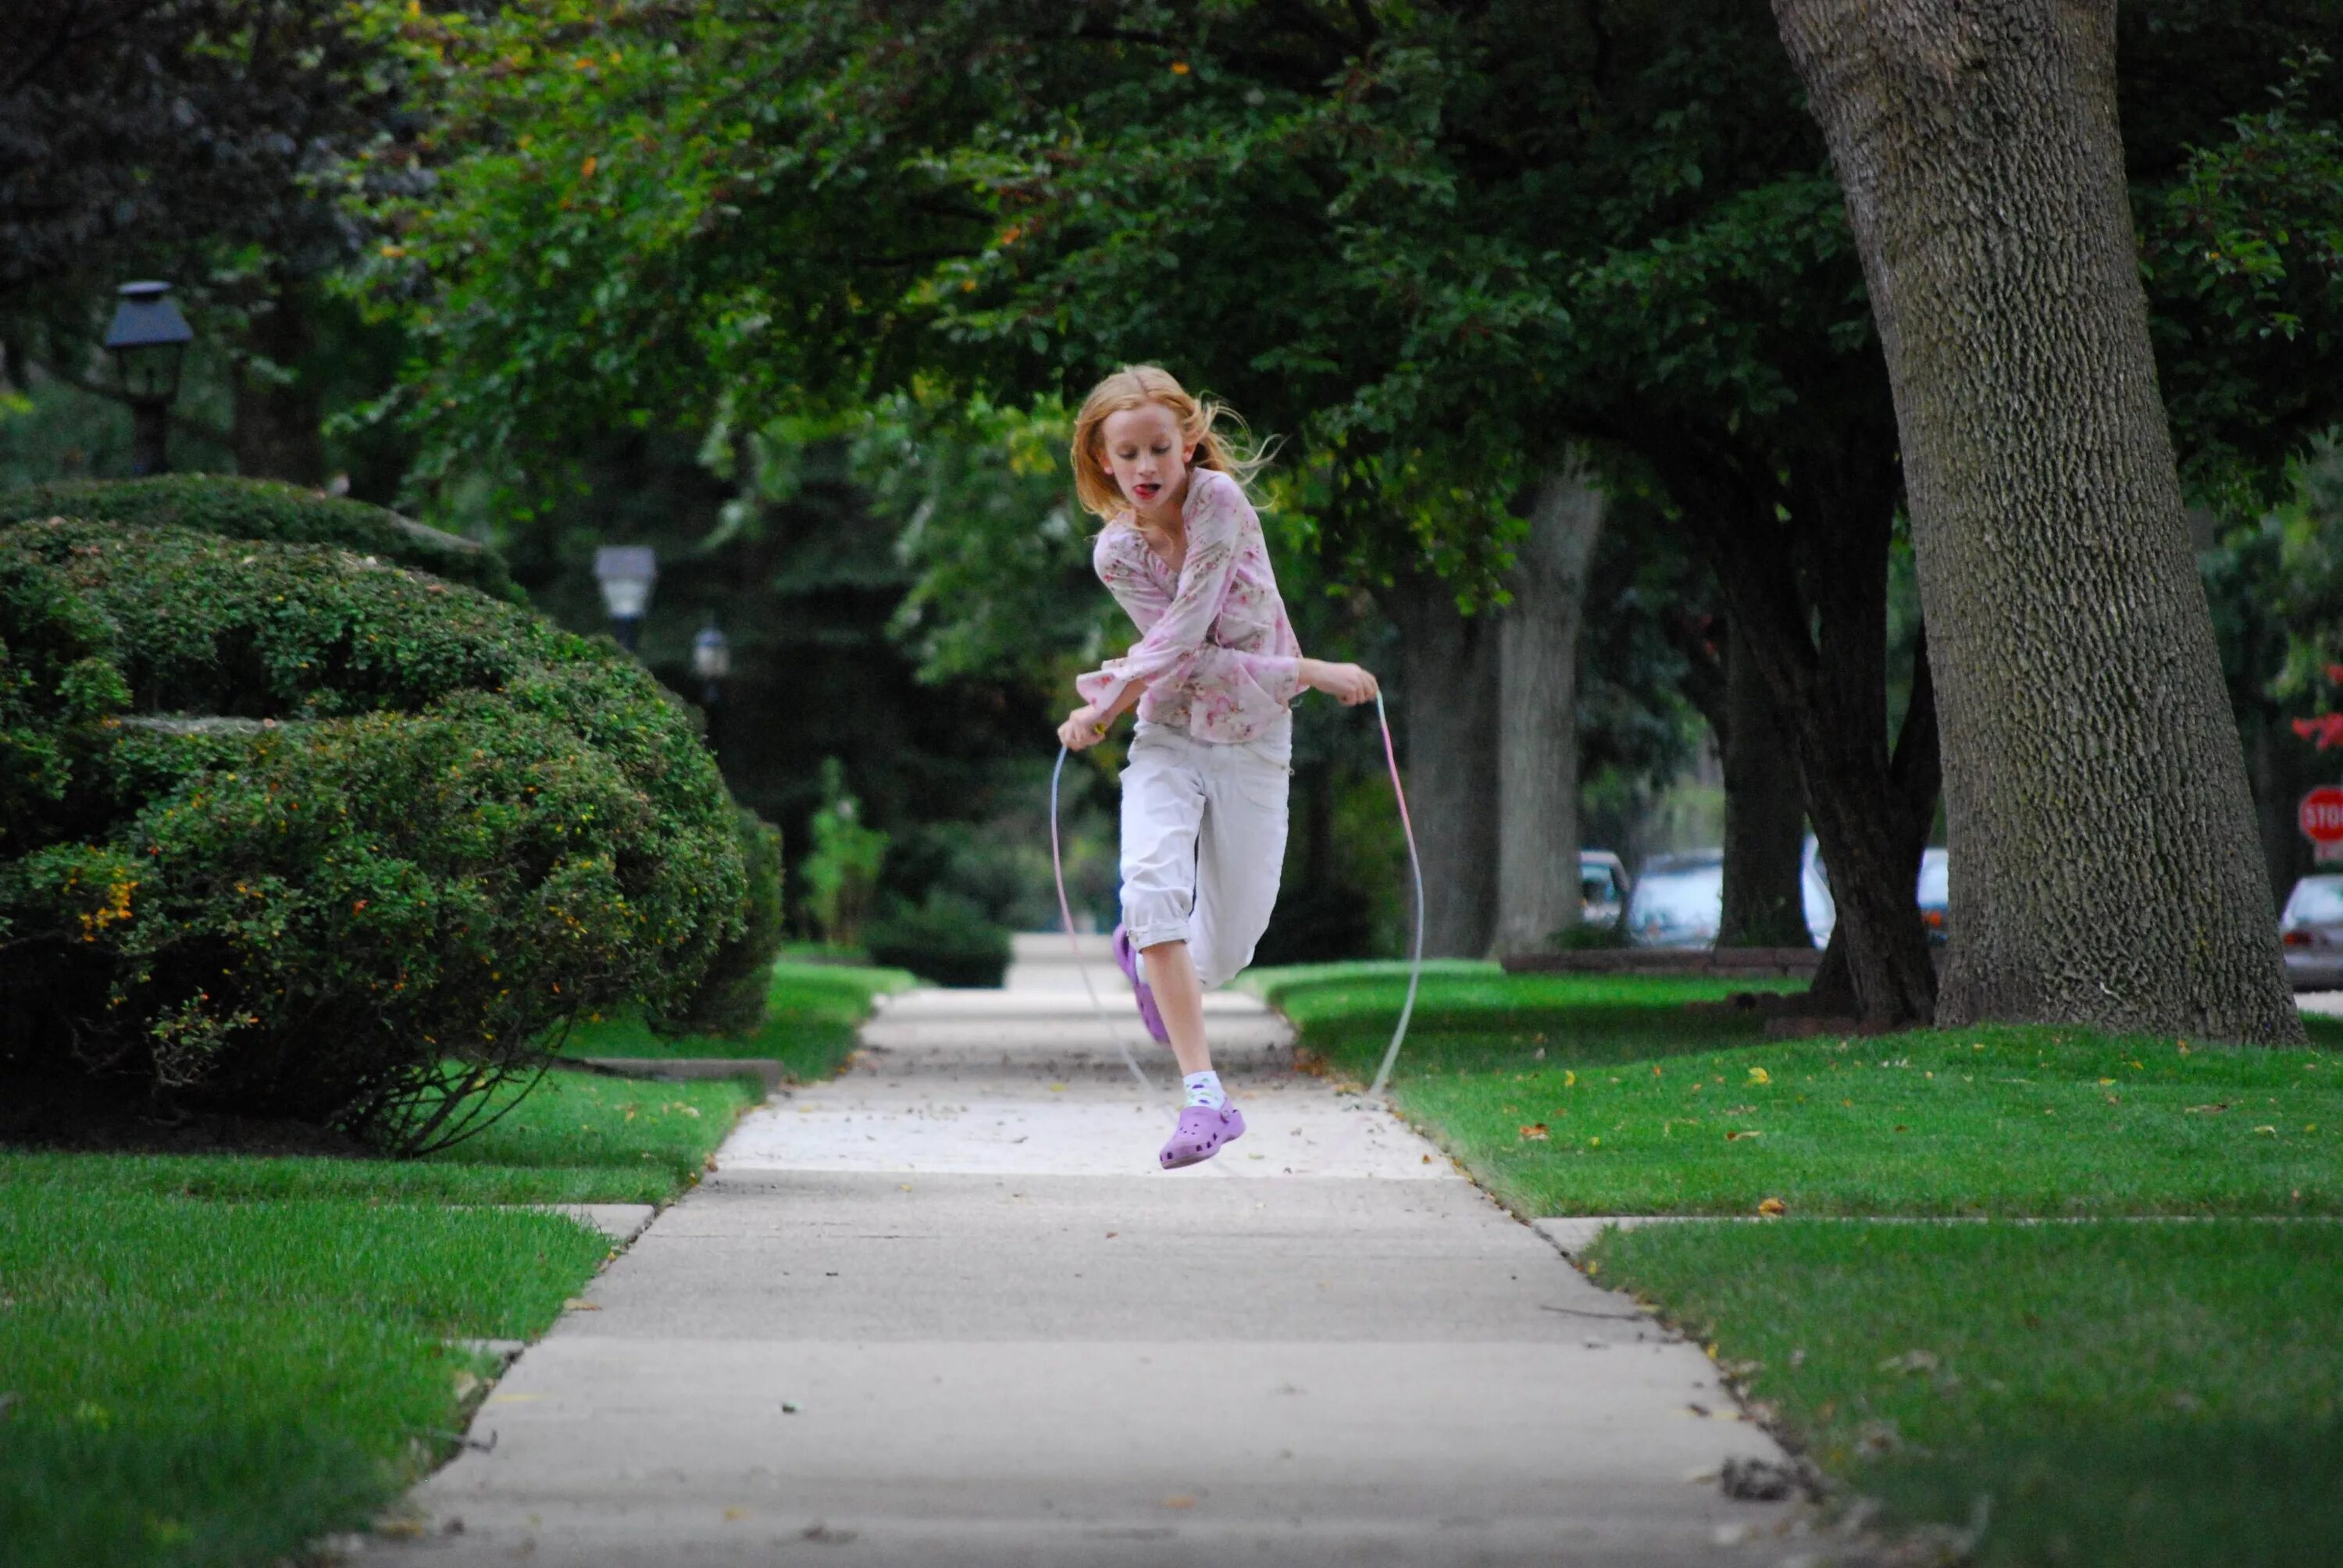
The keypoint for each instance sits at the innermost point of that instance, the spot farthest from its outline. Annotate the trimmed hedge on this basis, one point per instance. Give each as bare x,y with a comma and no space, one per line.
267,509
286,831
946,941
733,996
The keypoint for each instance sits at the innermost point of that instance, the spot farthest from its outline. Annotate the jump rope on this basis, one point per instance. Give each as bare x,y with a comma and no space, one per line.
1415,958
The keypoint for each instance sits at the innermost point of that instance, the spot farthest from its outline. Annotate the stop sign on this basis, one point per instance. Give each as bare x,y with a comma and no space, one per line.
2321,815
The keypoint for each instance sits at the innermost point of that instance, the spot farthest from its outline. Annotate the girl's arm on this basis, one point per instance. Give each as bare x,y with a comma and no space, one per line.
1086,726
1173,643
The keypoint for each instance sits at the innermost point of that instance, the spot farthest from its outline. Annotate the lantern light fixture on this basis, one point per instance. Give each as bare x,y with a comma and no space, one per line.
626,573
149,340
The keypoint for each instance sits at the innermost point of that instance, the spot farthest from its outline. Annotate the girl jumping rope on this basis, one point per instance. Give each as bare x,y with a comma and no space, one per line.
1215,676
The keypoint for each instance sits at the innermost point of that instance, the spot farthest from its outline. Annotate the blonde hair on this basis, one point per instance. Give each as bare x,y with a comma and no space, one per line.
1135,386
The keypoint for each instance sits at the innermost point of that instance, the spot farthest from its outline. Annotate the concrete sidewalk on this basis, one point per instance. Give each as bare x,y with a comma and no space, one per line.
945,1310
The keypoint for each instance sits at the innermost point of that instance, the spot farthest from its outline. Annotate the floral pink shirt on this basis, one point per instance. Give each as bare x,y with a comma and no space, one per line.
1218,655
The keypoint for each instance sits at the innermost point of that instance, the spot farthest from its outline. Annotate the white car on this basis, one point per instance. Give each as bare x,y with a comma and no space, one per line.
1601,887
1935,894
2310,930
1678,900
1685,907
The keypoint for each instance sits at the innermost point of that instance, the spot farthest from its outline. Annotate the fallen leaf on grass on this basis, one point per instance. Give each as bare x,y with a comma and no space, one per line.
2272,1130
1534,1132
1744,1132
1877,1439
2207,1110
1759,1075
1910,1361
1771,1206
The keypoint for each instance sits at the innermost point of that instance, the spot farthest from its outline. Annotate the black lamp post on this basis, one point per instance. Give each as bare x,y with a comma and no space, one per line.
626,573
148,338
711,660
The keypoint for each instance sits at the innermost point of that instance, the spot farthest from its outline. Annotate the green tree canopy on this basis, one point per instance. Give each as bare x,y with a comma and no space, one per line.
1431,243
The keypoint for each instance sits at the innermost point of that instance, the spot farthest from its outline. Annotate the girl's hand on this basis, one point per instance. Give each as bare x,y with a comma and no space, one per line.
1347,684
1084,729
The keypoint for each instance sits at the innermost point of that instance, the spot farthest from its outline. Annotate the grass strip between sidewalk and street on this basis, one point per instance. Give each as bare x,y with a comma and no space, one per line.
2120,1390
214,1359
2136,1395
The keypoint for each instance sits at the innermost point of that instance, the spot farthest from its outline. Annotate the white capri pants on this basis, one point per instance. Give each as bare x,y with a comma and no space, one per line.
1203,842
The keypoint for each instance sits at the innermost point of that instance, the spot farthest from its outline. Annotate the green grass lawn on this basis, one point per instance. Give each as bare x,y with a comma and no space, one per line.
575,1138
2121,1392
2135,1394
1595,1095
199,1381
809,1022
214,1359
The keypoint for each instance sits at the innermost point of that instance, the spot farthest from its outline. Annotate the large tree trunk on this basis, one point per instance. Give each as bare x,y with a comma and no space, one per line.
1450,668
1764,814
1801,557
1537,720
2105,866
277,433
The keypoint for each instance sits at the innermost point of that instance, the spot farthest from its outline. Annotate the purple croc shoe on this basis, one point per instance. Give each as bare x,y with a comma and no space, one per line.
1201,1131
1126,956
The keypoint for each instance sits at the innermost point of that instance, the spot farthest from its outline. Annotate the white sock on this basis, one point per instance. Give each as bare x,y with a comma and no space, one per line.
1204,1089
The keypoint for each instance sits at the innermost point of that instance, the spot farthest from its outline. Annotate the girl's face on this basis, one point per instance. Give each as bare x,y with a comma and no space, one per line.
1148,457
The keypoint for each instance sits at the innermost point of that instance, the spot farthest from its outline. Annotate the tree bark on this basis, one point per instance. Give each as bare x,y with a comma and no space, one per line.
2105,866
1449,661
1764,815
1801,558
1537,720
276,434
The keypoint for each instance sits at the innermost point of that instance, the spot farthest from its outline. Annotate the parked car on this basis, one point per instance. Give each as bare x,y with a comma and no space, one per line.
1935,895
1601,887
1686,910
1813,885
2310,930
1677,900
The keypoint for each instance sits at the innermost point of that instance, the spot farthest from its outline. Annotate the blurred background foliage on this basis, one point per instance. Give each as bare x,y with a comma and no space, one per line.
798,297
